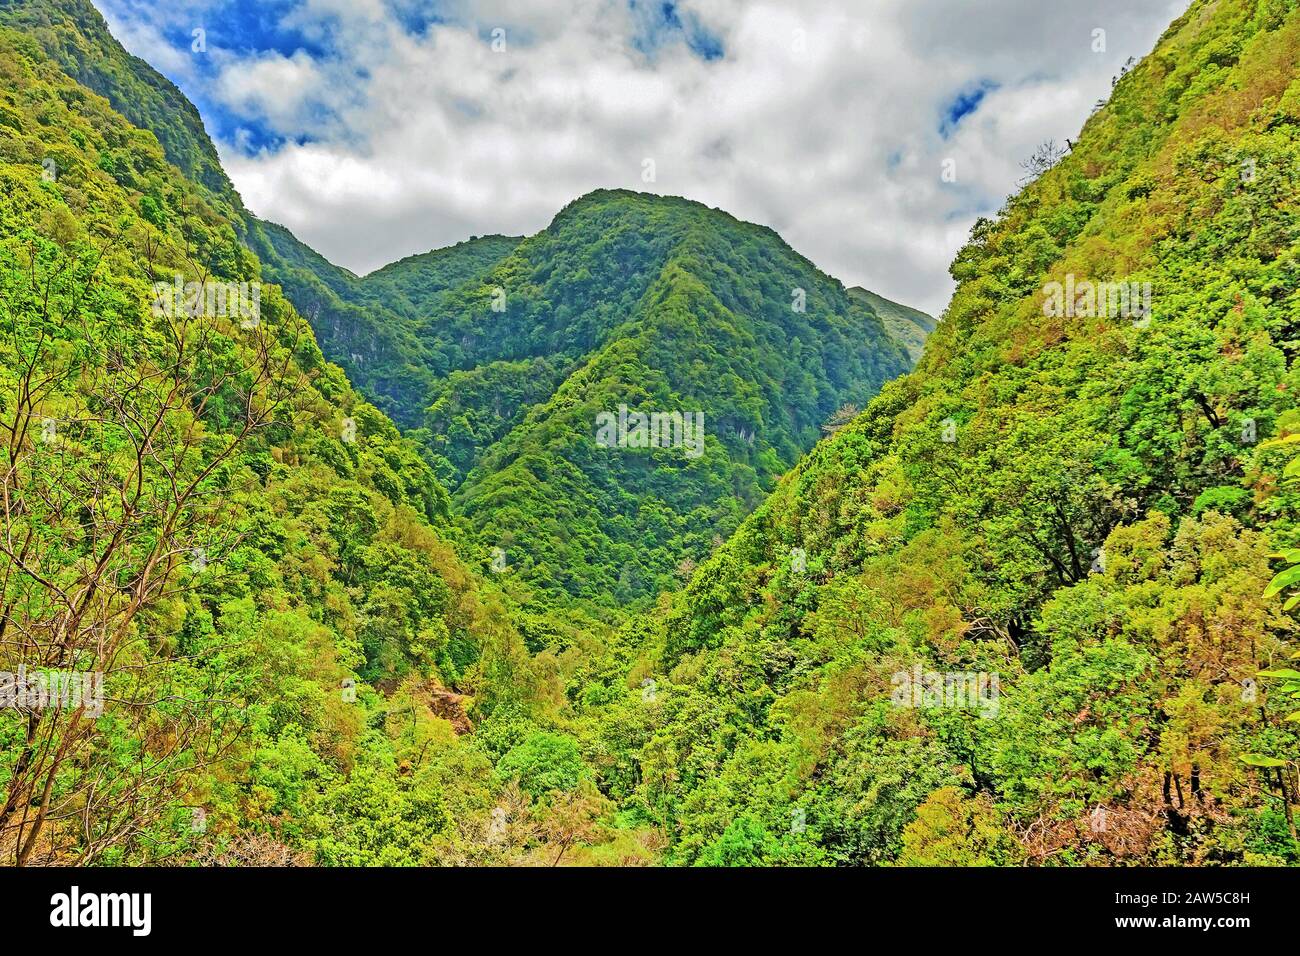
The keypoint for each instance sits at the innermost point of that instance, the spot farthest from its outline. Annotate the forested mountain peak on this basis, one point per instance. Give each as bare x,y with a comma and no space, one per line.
462,345
500,354
640,539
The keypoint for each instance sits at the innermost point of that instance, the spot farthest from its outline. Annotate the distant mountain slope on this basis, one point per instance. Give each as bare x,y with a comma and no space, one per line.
414,286
371,326
1017,611
909,327
507,350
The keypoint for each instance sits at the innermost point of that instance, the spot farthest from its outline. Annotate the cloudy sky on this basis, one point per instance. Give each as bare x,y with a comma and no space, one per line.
375,129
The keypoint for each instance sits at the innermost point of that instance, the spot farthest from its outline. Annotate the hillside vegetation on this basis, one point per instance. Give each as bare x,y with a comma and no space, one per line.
1069,514
1031,603
200,508
499,354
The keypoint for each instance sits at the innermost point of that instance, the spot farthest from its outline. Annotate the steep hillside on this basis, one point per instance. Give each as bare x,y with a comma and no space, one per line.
200,509
508,350
1016,612
372,327
73,35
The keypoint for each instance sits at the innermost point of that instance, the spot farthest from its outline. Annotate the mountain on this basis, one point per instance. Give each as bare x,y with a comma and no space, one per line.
1033,605
237,570
909,327
500,354
296,665
786,348
1016,612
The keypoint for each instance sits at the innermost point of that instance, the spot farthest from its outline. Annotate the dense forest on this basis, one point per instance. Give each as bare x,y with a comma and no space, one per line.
365,588
498,354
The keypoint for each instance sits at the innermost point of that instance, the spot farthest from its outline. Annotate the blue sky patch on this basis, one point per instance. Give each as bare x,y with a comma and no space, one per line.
659,23
964,104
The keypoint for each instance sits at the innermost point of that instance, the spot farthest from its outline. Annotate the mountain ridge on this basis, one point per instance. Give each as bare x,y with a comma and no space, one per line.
376,327
1008,614
261,561
542,309
910,327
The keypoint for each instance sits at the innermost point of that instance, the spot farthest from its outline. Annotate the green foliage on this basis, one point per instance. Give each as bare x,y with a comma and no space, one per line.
543,762
1078,505
1074,512
953,829
246,682
502,352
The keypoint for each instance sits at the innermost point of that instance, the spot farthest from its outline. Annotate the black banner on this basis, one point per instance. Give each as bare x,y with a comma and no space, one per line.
338,907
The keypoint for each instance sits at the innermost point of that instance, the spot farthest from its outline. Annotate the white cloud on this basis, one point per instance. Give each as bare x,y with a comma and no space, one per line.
271,86
143,36
821,120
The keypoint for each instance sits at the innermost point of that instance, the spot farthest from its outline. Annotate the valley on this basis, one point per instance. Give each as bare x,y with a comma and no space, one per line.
641,540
